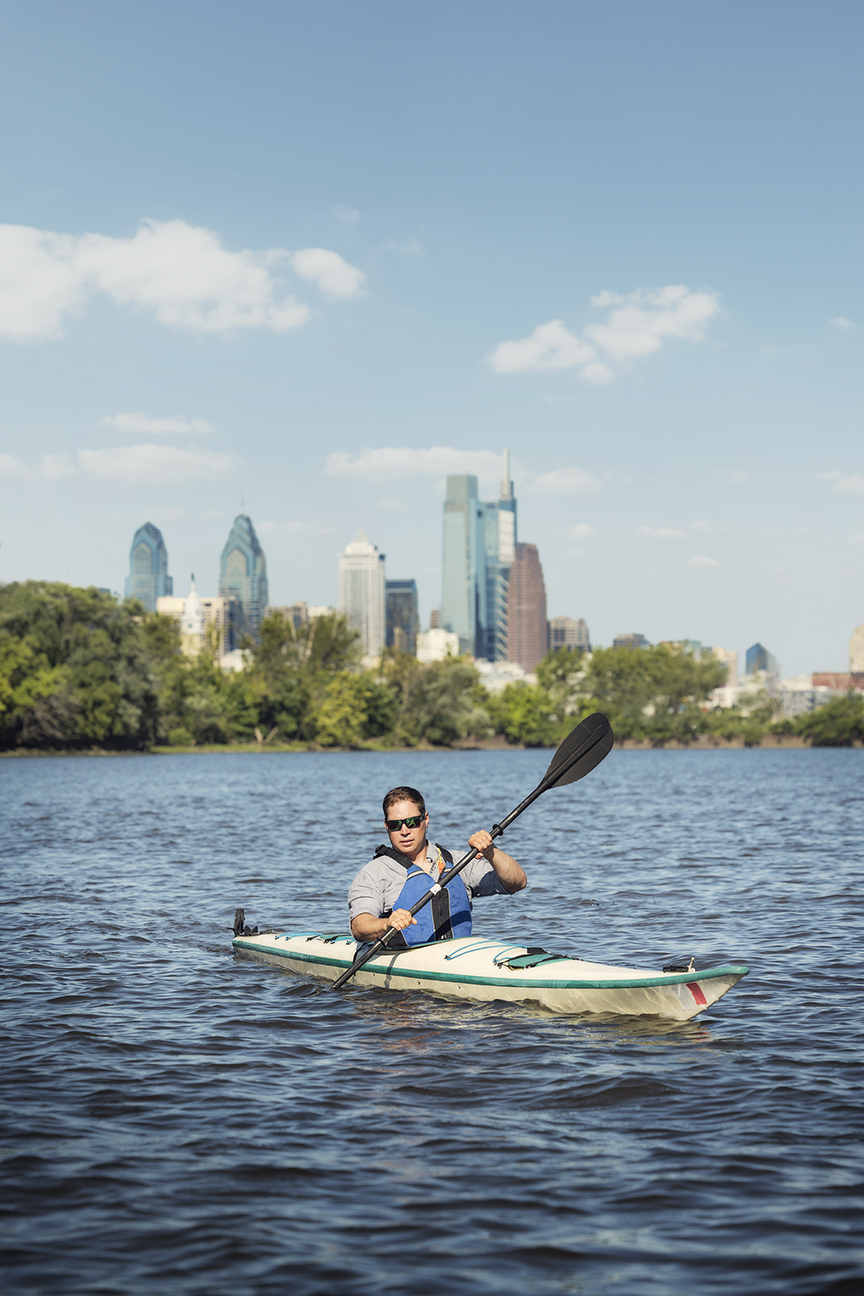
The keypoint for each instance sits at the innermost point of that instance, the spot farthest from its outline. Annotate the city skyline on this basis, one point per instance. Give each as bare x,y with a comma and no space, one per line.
299,319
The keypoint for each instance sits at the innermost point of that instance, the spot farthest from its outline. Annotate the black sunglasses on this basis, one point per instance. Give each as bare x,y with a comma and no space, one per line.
413,821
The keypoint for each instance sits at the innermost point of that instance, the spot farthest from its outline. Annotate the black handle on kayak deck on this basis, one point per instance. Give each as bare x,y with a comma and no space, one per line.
581,751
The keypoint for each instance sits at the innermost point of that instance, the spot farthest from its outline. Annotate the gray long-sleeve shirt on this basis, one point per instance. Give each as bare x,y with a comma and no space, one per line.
376,887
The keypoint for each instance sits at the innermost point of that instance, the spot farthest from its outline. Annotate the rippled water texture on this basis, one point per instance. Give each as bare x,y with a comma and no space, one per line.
179,1119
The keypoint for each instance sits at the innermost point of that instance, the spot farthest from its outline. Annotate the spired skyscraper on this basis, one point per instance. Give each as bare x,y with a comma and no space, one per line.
479,547
243,575
148,577
362,592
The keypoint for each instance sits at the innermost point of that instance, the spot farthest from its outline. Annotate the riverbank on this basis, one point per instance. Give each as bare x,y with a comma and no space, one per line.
704,742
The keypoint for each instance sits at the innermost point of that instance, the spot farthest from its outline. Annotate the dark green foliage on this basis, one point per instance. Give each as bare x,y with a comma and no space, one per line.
292,667
75,670
839,723
652,693
439,702
78,669
526,714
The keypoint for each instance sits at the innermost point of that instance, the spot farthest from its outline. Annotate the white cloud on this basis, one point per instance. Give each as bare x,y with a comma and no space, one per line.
564,481
550,346
660,533
56,465
141,425
333,275
582,531
154,463
640,322
637,325
347,215
390,462
853,485
738,478
12,467
179,271
699,560
50,466
841,322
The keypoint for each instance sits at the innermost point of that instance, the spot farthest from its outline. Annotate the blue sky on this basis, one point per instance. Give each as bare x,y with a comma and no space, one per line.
276,252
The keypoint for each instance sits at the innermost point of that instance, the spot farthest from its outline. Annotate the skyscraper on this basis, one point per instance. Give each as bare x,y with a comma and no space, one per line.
463,595
527,628
403,618
243,574
148,577
361,592
759,659
479,541
499,536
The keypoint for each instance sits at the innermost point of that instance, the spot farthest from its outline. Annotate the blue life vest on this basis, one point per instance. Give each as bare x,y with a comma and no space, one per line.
447,914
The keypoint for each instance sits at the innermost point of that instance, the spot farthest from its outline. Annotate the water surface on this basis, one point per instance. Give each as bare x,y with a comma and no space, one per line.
181,1118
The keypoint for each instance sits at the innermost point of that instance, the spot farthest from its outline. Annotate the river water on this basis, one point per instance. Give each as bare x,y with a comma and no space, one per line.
179,1118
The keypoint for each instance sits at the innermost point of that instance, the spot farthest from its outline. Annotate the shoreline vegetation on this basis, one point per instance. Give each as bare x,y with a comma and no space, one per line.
83,673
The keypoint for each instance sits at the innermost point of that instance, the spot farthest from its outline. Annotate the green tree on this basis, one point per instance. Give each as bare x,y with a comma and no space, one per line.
292,666
525,713
839,723
75,669
341,717
440,702
652,692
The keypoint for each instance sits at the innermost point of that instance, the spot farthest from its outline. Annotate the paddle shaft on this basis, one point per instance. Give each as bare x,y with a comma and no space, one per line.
495,831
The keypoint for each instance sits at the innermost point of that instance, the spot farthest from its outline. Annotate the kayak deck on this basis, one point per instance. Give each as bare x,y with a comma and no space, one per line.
470,967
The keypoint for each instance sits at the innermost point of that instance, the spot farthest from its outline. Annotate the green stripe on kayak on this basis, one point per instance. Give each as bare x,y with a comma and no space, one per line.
668,978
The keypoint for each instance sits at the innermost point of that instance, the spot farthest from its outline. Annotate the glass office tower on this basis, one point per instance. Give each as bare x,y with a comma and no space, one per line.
148,577
479,545
243,575
403,617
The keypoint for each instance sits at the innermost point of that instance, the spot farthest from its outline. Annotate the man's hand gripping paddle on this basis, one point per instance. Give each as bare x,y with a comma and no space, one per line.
580,752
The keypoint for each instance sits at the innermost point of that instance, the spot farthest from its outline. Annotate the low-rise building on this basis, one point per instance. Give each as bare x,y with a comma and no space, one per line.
435,644
222,617
630,641
564,632
839,681
495,676
798,695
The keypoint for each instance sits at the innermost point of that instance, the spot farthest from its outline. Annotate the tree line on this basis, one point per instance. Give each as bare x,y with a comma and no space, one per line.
80,670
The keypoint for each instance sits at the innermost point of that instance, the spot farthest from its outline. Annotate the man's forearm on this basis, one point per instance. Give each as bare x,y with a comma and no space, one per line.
510,873
366,927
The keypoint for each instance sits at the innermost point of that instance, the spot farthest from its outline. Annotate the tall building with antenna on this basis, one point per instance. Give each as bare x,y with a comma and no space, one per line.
479,547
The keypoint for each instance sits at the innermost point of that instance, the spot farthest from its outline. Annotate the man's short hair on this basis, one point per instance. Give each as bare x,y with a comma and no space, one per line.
404,794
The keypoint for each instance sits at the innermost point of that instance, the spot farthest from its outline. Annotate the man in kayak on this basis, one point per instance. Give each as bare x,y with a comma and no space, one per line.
383,892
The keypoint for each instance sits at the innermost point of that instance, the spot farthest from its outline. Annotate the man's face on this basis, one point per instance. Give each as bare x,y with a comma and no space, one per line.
406,839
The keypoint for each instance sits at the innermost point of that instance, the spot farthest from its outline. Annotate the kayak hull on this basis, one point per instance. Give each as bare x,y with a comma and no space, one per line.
473,968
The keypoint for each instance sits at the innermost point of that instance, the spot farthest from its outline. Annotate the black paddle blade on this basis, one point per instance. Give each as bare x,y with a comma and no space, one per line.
581,751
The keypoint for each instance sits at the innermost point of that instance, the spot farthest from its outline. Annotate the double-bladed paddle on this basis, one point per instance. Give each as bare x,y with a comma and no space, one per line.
580,752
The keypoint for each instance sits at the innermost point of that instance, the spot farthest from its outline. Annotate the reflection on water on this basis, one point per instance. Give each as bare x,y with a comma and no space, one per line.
181,1118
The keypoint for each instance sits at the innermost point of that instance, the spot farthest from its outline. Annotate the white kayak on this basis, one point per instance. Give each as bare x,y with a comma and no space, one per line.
470,967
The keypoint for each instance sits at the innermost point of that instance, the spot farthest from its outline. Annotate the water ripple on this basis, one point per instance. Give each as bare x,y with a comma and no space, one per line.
183,1119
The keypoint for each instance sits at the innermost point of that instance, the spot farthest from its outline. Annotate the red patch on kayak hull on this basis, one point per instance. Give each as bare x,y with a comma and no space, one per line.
696,991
